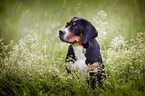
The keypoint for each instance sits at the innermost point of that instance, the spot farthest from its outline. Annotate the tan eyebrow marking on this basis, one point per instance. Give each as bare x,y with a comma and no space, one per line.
74,23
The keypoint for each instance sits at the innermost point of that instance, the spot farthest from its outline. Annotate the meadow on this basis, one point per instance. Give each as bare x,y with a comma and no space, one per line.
32,58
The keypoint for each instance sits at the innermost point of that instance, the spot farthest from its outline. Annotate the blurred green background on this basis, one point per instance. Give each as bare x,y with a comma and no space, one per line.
17,17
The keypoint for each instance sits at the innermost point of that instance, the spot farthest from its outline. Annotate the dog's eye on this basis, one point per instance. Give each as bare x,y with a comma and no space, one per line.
75,27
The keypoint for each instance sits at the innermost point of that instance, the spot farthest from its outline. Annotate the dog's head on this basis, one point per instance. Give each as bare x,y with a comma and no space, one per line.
78,30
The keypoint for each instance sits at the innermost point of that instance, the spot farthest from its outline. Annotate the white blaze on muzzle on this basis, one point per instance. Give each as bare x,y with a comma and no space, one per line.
66,30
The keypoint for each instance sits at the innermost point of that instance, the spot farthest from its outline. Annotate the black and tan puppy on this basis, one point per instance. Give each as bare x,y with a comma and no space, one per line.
84,51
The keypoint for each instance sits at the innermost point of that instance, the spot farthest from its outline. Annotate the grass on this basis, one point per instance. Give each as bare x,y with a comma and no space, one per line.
32,63
35,68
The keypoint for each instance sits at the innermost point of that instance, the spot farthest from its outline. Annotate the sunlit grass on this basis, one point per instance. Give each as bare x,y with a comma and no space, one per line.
33,62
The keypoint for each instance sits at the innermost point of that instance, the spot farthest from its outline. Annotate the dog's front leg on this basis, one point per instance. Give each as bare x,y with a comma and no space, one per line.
95,73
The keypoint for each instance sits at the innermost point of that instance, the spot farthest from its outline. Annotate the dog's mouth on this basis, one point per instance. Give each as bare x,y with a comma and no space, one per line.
66,41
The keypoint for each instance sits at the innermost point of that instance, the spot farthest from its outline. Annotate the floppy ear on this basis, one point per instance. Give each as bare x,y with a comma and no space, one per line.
89,33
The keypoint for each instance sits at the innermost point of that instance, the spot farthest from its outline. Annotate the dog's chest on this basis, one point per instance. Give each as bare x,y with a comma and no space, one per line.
80,62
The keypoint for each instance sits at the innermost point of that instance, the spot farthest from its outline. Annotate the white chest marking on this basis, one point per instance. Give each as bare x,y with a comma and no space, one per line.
80,63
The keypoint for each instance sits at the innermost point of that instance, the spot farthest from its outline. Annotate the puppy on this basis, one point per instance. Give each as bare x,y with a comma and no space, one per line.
84,51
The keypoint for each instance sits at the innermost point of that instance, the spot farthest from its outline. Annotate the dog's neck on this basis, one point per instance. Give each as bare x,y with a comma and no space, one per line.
79,51
81,58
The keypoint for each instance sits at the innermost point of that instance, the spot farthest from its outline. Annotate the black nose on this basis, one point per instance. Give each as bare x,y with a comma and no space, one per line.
61,32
